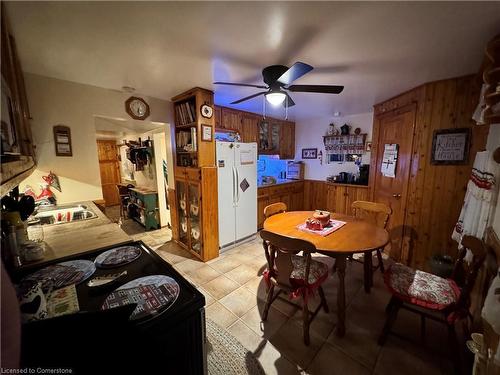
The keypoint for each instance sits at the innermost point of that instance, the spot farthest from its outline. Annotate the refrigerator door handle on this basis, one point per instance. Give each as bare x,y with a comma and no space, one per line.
234,185
237,186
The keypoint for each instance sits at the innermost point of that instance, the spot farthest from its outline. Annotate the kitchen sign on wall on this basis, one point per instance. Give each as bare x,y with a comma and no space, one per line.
450,146
389,160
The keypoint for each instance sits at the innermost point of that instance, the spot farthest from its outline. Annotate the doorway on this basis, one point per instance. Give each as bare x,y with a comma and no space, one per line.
110,171
396,130
136,156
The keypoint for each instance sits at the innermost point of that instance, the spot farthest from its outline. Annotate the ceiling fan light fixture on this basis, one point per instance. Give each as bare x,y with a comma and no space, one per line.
275,98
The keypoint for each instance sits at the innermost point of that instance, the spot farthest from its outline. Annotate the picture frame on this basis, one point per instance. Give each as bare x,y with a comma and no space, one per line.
450,146
206,133
368,146
62,140
309,153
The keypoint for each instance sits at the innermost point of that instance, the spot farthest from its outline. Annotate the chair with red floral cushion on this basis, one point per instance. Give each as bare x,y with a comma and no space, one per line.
433,297
299,275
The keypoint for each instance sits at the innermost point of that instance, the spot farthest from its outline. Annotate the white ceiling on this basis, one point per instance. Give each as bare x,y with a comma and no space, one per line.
376,50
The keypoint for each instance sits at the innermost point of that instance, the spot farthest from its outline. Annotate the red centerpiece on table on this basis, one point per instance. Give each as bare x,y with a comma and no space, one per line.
320,220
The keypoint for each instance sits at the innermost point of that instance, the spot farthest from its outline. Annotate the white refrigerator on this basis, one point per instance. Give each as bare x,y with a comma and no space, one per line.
237,187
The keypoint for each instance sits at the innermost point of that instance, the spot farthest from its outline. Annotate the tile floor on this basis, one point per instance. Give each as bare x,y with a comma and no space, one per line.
235,296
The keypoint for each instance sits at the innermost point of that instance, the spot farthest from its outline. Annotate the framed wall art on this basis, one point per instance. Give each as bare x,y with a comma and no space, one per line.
206,133
450,146
309,153
62,140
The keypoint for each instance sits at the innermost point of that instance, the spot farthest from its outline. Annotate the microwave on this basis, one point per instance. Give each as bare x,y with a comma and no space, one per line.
295,171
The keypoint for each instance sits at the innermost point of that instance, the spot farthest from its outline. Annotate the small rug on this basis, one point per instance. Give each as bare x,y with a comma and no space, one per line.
226,355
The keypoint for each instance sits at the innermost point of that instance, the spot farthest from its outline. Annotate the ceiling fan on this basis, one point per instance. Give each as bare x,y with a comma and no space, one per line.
278,79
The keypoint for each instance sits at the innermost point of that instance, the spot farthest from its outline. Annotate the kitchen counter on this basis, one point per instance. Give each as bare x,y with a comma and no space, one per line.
342,184
79,237
279,182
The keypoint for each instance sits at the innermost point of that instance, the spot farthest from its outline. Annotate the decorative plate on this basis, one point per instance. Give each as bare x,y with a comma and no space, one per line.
61,274
152,294
117,257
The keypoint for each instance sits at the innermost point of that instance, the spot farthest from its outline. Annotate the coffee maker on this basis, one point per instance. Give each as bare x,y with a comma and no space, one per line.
364,171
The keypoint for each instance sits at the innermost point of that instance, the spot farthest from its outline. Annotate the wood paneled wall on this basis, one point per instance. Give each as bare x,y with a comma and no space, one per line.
436,192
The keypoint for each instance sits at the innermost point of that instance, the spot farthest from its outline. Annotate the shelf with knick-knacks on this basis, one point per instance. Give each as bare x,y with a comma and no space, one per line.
346,147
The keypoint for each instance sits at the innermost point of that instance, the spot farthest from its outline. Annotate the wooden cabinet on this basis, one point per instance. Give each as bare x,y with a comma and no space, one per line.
18,156
273,136
291,194
287,140
195,225
190,148
341,197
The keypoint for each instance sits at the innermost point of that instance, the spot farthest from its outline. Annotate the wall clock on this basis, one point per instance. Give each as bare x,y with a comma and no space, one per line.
137,108
207,111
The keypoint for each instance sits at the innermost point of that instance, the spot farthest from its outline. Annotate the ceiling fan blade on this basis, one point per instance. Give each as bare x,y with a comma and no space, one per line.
240,84
324,89
288,101
296,71
249,97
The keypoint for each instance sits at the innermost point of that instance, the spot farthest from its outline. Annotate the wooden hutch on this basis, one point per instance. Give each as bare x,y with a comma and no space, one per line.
194,200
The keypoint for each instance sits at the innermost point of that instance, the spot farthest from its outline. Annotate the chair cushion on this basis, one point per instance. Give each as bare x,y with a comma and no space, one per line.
318,271
421,288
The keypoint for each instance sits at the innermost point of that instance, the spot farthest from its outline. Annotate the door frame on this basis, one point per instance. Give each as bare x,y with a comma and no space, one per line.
379,153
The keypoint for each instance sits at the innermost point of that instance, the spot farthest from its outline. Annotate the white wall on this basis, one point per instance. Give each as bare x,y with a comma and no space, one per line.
54,102
309,134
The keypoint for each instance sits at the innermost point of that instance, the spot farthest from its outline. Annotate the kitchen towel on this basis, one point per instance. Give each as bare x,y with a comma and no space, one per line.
479,202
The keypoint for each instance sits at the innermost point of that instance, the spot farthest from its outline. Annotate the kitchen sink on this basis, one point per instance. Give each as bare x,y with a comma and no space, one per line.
63,214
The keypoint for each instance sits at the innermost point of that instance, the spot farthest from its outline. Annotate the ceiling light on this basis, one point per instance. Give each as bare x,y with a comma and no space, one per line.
275,98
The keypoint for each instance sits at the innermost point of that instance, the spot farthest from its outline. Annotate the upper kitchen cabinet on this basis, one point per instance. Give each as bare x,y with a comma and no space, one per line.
287,140
244,123
17,151
269,136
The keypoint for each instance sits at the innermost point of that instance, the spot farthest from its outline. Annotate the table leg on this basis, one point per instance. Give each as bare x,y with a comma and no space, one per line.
368,268
341,264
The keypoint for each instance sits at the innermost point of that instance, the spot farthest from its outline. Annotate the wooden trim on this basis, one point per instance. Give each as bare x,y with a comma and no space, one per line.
493,243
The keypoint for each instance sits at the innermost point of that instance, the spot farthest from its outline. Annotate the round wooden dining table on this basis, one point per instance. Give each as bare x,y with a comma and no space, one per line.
356,236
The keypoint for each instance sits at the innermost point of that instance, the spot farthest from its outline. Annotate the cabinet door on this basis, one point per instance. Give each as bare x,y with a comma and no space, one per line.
287,140
231,119
274,136
355,194
261,204
249,127
337,199
218,116
195,227
181,190
263,136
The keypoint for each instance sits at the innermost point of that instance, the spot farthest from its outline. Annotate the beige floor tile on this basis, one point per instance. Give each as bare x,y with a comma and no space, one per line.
271,359
288,340
226,264
188,265
241,274
203,274
330,360
239,301
220,315
220,286
275,319
323,323
254,284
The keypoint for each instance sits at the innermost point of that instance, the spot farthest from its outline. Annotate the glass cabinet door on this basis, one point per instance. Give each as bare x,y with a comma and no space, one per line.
263,136
274,137
182,211
195,217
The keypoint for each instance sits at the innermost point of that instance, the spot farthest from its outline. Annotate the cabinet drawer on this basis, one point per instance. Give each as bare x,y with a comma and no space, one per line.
297,187
262,192
193,174
277,190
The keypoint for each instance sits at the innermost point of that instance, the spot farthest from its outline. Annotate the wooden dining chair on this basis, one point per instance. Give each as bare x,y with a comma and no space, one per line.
378,214
273,209
433,297
123,192
297,275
